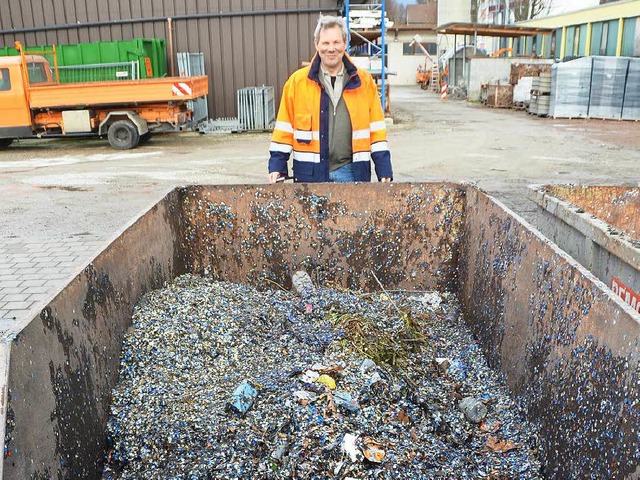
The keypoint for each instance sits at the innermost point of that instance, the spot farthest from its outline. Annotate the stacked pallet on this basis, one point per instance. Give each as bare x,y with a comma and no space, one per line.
540,94
571,83
631,105
608,80
522,75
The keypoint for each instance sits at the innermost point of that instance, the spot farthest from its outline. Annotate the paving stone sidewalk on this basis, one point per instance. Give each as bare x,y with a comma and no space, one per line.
33,270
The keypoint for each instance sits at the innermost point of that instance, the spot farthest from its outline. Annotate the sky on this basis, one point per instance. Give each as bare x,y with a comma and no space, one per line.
562,6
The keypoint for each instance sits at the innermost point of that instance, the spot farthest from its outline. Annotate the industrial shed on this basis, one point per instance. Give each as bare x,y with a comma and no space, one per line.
244,42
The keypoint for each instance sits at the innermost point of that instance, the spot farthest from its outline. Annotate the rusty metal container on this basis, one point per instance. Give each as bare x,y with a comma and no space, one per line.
600,227
567,346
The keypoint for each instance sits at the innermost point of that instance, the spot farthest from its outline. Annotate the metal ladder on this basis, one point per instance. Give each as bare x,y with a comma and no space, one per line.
435,78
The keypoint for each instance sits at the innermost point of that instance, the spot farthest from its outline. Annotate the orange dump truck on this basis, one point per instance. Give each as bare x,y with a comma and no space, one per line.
127,112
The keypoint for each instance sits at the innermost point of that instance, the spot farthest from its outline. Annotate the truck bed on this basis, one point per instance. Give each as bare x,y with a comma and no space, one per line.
150,90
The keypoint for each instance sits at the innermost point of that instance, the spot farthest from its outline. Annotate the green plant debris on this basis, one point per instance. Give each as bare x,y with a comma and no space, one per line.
388,344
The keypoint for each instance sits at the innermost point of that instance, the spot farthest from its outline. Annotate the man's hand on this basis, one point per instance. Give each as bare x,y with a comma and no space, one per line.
274,176
385,179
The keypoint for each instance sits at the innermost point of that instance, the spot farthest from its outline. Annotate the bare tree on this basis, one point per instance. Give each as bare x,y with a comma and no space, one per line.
474,11
521,9
396,11
528,9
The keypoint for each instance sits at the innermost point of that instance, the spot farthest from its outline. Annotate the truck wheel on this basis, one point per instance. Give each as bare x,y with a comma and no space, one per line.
5,142
144,138
123,135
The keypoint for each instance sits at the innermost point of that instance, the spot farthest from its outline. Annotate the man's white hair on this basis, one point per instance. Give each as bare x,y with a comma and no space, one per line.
327,21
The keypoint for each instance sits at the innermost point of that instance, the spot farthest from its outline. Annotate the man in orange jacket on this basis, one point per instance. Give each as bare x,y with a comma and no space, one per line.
330,117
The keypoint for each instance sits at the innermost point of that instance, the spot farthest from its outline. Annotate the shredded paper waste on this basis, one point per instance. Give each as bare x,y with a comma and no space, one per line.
222,380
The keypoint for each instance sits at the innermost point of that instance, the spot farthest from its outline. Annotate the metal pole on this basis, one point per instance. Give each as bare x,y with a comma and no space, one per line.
346,14
55,63
172,64
464,60
383,28
455,54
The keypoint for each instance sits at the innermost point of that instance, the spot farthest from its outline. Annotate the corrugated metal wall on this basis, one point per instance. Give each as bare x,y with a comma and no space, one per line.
245,42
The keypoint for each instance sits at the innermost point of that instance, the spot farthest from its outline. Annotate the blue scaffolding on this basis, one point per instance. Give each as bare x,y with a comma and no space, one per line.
382,47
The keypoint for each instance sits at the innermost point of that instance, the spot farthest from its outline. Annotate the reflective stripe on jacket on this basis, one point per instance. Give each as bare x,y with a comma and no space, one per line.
302,126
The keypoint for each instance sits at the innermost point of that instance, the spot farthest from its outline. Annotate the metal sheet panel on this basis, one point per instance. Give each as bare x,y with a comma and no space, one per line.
598,226
76,121
190,64
617,205
568,346
340,233
65,361
244,42
631,107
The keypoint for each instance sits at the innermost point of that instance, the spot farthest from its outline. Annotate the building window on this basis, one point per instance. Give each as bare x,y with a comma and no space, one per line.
576,42
628,36
37,72
5,81
409,49
612,38
558,43
603,39
583,40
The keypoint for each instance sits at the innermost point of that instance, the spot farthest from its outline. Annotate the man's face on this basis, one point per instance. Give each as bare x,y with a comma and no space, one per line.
330,47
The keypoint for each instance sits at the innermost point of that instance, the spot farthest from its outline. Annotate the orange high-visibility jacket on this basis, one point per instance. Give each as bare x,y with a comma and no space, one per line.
302,126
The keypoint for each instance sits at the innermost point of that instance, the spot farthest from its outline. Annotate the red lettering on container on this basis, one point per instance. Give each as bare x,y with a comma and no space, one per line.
625,293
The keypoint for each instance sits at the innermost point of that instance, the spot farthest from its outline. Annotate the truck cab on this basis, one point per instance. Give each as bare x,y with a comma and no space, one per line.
34,105
16,120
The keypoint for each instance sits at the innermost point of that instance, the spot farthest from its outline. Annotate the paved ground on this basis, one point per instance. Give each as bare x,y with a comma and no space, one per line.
62,201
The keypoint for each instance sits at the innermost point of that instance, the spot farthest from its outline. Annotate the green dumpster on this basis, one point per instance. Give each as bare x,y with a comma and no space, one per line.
150,53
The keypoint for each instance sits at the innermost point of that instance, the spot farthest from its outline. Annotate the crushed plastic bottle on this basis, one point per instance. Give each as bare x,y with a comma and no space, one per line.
243,397
344,400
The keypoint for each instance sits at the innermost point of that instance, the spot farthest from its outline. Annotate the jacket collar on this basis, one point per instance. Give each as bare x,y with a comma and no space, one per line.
350,70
